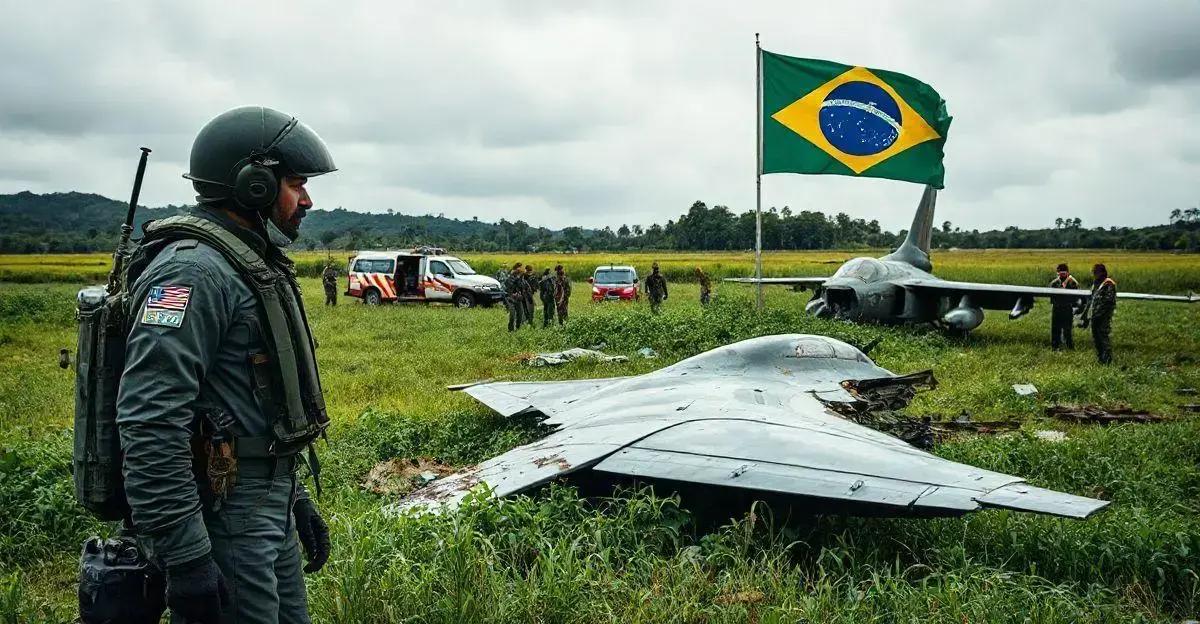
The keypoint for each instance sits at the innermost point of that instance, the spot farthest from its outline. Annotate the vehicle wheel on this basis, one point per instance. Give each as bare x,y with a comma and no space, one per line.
464,299
372,297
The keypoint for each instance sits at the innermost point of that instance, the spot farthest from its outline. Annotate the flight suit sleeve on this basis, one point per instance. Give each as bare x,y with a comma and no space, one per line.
167,359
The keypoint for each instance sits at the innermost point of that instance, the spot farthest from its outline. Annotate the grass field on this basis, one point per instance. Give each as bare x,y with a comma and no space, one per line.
640,556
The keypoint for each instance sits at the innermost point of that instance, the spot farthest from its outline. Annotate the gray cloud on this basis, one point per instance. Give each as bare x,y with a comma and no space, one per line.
602,113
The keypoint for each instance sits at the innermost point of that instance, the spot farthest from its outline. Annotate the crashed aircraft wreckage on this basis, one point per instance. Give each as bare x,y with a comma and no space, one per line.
766,415
901,288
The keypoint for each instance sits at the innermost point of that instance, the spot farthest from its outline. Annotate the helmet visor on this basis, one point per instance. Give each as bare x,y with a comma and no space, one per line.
303,153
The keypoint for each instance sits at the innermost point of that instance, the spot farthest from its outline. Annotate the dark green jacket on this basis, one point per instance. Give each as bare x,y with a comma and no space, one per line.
546,288
656,286
1063,303
171,370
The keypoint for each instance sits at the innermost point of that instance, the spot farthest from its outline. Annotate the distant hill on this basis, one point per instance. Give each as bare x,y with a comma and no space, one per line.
80,222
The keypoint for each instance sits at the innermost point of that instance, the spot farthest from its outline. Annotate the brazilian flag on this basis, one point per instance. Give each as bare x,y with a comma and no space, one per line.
825,117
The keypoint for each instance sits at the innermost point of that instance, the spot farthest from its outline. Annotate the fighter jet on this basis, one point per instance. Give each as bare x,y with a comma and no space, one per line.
900,288
769,415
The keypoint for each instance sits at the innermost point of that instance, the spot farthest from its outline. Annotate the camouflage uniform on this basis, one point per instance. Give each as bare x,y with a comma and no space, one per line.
329,280
514,291
656,287
562,295
1099,313
530,287
705,286
546,291
1062,314
502,277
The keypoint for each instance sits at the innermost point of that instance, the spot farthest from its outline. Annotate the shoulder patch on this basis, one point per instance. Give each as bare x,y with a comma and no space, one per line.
166,305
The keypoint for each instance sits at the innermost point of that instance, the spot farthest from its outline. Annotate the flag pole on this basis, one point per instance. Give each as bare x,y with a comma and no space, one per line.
758,172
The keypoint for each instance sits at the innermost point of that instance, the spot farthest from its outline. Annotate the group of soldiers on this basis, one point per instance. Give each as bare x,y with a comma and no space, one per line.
520,284
1097,312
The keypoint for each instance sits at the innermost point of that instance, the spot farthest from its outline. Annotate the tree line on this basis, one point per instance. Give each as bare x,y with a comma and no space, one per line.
80,222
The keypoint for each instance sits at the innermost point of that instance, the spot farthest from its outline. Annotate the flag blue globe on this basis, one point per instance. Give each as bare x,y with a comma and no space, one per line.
860,118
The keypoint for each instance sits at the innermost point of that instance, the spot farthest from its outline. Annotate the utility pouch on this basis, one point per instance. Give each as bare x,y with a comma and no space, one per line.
99,363
117,583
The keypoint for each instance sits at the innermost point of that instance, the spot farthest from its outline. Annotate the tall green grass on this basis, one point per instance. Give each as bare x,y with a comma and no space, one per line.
641,555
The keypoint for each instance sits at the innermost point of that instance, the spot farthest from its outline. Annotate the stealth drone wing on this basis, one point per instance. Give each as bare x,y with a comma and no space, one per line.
756,415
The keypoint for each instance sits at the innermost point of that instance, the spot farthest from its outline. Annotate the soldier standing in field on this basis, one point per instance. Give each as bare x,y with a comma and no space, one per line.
329,280
1099,312
514,296
1063,313
531,286
220,398
705,286
546,291
562,293
656,287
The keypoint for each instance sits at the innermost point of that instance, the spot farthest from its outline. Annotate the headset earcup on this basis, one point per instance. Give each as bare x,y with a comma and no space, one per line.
256,187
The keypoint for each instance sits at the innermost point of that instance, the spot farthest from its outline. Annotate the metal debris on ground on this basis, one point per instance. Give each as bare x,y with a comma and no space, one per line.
400,476
1025,389
1097,415
1050,435
647,353
1191,407
964,423
570,355
1187,391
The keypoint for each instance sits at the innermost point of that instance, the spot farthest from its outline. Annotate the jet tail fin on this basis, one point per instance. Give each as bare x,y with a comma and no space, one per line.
915,249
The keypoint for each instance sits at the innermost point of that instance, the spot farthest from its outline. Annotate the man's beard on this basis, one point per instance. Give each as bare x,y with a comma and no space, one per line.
281,232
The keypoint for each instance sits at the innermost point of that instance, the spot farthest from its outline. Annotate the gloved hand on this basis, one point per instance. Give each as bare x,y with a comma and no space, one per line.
196,591
313,533
1083,323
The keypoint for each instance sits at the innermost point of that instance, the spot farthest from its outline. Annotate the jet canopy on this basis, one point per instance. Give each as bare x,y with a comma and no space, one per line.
865,269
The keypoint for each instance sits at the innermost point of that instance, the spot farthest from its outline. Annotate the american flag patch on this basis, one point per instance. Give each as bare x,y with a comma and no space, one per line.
165,306
168,298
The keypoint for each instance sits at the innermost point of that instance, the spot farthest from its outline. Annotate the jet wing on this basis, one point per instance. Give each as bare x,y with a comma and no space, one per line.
780,281
1005,296
755,415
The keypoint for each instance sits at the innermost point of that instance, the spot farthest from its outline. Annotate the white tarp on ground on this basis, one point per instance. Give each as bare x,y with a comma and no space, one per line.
562,357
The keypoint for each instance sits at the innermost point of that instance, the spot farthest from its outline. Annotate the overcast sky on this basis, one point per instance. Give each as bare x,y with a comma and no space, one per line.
576,113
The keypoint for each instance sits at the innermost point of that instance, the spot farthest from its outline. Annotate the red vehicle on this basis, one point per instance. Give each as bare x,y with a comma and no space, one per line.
615,283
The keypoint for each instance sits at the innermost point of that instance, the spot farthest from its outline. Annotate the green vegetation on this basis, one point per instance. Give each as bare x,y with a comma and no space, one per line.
82,222
641,555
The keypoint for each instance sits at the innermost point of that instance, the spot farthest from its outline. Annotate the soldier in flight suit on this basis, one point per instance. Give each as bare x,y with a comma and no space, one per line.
514,294
531,285
562,293
230,549
1099,312
546,291
1063,314
329,280
656,287
705,286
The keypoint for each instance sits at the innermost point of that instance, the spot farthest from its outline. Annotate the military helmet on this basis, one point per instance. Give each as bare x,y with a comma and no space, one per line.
242,152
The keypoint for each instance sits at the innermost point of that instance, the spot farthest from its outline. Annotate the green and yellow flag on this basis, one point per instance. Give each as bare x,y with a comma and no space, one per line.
825,117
